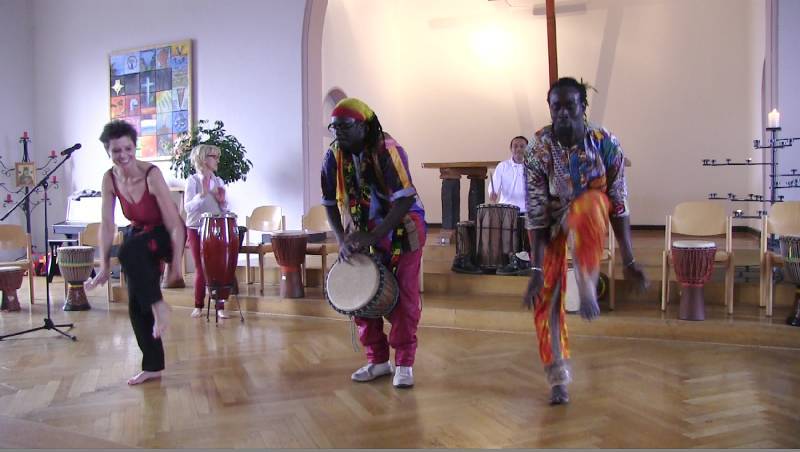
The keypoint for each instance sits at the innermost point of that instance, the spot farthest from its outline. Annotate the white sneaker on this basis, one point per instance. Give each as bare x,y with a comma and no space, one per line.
403,377
223,315
197,312
372,371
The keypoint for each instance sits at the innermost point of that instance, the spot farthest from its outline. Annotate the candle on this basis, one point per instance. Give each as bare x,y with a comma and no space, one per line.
25,135
774,119
53,153
8,198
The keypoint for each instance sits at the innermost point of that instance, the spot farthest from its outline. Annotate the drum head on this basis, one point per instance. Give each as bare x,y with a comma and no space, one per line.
351,285
693,244
75,248
289,234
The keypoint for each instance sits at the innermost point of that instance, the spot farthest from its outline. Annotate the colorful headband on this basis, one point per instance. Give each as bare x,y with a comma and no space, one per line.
351,107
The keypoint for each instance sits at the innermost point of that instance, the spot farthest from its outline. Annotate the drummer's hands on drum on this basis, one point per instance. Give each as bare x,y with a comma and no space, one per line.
100,278
535,284
633,272
360,240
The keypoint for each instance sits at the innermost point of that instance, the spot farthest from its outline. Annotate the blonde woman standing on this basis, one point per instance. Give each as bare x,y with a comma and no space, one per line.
205,193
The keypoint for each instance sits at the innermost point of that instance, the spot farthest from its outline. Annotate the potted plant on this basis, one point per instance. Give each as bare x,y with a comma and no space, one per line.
233,165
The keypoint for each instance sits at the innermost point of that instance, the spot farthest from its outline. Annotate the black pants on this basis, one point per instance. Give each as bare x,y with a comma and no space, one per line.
141,254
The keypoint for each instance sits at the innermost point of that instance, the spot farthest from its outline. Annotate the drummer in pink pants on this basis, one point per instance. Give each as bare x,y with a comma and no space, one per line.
372,204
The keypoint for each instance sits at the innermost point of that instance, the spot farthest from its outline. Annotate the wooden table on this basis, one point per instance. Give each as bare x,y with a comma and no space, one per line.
450,173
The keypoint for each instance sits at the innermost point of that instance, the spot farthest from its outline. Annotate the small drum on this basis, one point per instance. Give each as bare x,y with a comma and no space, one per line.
523,242
496,235
76,264
790,250
10,281
219,251
362,287
290,252
464,262
693,261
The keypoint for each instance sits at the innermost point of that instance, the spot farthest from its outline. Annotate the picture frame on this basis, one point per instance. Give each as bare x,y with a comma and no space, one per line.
152,89
25,174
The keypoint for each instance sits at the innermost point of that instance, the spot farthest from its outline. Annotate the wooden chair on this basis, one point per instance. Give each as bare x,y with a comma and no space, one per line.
316,220
13,237
702,219
263,219
783,219
90,237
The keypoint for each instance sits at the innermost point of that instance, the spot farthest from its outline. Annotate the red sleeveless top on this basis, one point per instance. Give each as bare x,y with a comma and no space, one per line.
145,213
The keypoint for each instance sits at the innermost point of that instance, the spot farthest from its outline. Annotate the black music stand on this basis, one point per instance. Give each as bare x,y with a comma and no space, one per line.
48,322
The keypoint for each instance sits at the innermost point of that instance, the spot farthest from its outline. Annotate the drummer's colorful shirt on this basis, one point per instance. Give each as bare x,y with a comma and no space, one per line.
555,176
392,168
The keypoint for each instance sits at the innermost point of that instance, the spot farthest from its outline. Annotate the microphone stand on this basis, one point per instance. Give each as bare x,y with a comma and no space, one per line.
48,322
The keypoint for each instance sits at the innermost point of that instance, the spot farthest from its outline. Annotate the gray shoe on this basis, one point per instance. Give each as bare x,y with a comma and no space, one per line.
403,377
559,395
372,371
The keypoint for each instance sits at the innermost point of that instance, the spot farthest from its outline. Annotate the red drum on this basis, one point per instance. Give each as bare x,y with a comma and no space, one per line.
10,281
497,235
693,261
290,252
219,250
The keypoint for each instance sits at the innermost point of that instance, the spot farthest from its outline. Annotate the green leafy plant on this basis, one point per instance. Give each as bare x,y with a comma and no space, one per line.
233,164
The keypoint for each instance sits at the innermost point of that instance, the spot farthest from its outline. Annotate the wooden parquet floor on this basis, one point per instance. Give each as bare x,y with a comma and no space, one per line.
281,382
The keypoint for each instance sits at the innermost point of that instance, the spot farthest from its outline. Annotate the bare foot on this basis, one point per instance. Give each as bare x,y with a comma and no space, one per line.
143,376
161,312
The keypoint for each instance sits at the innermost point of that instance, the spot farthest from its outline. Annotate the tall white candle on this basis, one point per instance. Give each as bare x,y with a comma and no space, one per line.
774,119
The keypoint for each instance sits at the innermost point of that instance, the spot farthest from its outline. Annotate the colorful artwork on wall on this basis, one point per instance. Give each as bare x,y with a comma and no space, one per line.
151,88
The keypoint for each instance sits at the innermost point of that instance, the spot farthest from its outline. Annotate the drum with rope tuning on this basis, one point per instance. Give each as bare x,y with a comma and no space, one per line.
693,261
76,263
361,287
290,252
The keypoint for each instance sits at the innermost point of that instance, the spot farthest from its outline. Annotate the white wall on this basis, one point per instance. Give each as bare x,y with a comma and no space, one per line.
454,80
16,94
247,73
788,94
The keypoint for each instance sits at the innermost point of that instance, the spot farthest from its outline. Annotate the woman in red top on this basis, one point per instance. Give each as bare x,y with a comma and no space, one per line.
146,202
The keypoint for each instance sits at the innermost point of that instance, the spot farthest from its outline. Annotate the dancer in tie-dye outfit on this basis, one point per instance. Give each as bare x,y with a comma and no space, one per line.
575,182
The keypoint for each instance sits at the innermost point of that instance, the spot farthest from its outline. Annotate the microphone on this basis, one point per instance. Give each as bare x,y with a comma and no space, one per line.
71,149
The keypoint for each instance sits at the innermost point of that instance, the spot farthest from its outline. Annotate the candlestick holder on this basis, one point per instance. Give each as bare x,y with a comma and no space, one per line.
17,188
777,181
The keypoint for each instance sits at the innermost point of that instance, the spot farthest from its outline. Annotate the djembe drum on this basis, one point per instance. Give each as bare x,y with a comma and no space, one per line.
790,250
10,281
496,235
76,264
219,251
464,262
361,287
290,252
693,261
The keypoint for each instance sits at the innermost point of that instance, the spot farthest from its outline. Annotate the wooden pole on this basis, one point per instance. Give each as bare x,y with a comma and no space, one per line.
552,55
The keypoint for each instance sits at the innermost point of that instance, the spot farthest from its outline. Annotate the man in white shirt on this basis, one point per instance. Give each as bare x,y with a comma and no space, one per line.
508,181
507,186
